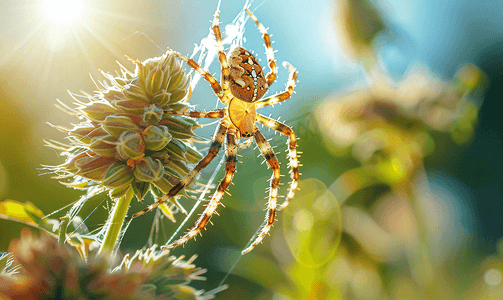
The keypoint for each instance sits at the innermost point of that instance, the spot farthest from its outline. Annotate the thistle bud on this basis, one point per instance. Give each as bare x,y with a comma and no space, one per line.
156,137
163,185
135,92
126,138
183,126
116,125
112,94
93,167
46,269
118,175
152,115
177,86
86,132
193,156
141,189
104,146
149,169
134,107
98,111
130,146
164,79
177,150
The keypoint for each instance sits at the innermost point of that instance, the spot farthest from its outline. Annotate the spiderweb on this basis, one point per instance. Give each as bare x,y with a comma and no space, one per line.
204,53
207,52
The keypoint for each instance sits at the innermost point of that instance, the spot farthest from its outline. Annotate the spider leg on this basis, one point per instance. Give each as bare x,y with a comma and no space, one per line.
226,71
218,139
273,163
219,114
245,144
230,168
290,85
207,76
271,76
292,153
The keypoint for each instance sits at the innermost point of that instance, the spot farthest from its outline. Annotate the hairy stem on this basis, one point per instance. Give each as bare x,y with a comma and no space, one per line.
114,223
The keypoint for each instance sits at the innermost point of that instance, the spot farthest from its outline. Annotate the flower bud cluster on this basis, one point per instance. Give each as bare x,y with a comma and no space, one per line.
48,270
127,138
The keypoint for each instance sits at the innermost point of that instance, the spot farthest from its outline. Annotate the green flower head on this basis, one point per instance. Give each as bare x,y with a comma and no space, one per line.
126,138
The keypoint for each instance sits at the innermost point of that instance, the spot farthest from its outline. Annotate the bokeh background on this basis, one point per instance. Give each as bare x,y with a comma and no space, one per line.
433,237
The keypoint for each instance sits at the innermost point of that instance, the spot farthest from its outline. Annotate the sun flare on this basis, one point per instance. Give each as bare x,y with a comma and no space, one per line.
63,12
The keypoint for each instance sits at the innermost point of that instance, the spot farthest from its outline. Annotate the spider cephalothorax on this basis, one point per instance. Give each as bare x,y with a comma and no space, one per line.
242,87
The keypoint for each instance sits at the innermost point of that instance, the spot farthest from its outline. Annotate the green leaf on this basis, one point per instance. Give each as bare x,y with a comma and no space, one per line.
38,220
26,213
19,210
140,189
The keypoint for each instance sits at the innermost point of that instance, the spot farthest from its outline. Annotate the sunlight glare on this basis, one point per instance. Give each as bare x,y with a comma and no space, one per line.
63,12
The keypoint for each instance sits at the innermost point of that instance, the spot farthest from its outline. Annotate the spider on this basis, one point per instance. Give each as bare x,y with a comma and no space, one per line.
242,86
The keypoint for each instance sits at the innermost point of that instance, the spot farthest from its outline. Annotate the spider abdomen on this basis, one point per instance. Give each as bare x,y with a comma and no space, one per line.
247,81
243,115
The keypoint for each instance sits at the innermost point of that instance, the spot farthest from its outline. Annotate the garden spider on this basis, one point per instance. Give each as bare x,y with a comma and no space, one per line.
241,88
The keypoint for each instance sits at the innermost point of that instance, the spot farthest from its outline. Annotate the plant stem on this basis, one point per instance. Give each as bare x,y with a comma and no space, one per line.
114,223
62,229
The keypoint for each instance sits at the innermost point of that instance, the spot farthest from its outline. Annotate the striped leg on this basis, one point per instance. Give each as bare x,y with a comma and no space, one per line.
219,114
290,85
245,144
207,76
218,139
292,153
226,71
271,76
230,168
273,163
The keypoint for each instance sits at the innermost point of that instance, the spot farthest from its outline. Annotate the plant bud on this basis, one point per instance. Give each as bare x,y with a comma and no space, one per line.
177,166
156,137
152,115
82,133
182,126
116,125
104,146
98,111
176,150
148,170
140,189
130,146
93,167
112,94
193,156
164,79
118,175
163,185
177,82
135,92
162,98
118,192
126,139
134,107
